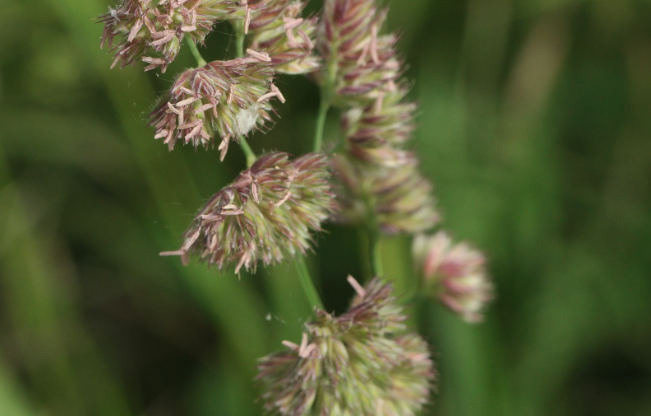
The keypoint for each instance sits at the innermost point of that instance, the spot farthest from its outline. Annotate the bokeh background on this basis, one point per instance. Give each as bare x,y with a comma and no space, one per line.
534,125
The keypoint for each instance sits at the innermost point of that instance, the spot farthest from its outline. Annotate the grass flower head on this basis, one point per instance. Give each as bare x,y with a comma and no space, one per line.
454,273
364,362
267,214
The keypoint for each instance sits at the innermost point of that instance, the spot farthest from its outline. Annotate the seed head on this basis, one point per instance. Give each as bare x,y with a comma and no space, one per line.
268,213
454,273
224,98
364,61
399,198
278,29
154,30
377,133
364,362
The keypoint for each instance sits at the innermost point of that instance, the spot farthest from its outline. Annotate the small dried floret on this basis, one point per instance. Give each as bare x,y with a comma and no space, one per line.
399,198
224,98
363,363
453,273
361,63
138,27
278,29
267,214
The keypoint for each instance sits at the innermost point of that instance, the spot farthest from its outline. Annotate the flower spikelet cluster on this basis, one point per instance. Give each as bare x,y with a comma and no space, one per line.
379,179
361,62
153,30
267,214
364,362
453,273
376,134
278,29
399,199
224,98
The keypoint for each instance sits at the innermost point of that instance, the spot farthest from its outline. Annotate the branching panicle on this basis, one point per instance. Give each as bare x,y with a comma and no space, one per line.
366,361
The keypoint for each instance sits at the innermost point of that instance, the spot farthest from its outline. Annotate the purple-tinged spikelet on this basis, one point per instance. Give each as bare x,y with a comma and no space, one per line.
277,28
380,185
224,98
378,179
267,214
363,363
453,273
377,133
153,30
359,61
399,198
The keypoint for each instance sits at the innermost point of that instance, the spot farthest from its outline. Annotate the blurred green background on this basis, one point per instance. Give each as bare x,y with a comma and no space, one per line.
534,125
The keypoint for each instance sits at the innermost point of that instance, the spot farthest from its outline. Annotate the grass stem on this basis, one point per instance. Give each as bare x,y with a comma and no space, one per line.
195,52
307,283
320,123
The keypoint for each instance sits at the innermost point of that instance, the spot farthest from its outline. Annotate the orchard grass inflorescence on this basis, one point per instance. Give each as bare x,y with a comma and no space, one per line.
364,362
368,360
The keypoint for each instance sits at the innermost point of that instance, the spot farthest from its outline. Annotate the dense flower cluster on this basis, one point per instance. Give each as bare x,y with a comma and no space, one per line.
361,63
228,98
454,273
156,28
398,200
376,133
267,214
277,28
380,182
364,363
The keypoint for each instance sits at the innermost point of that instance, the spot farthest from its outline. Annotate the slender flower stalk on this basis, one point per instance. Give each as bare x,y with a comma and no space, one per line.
267,214
308,285
197,55
364,362
324,106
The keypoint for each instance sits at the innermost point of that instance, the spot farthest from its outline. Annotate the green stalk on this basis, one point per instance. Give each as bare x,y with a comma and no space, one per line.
195,52
307,283
374,252
239,40
365,253
324,106
248,152
238,27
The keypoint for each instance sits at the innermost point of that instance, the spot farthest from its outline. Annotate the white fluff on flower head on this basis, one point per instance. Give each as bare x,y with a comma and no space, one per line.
246,119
